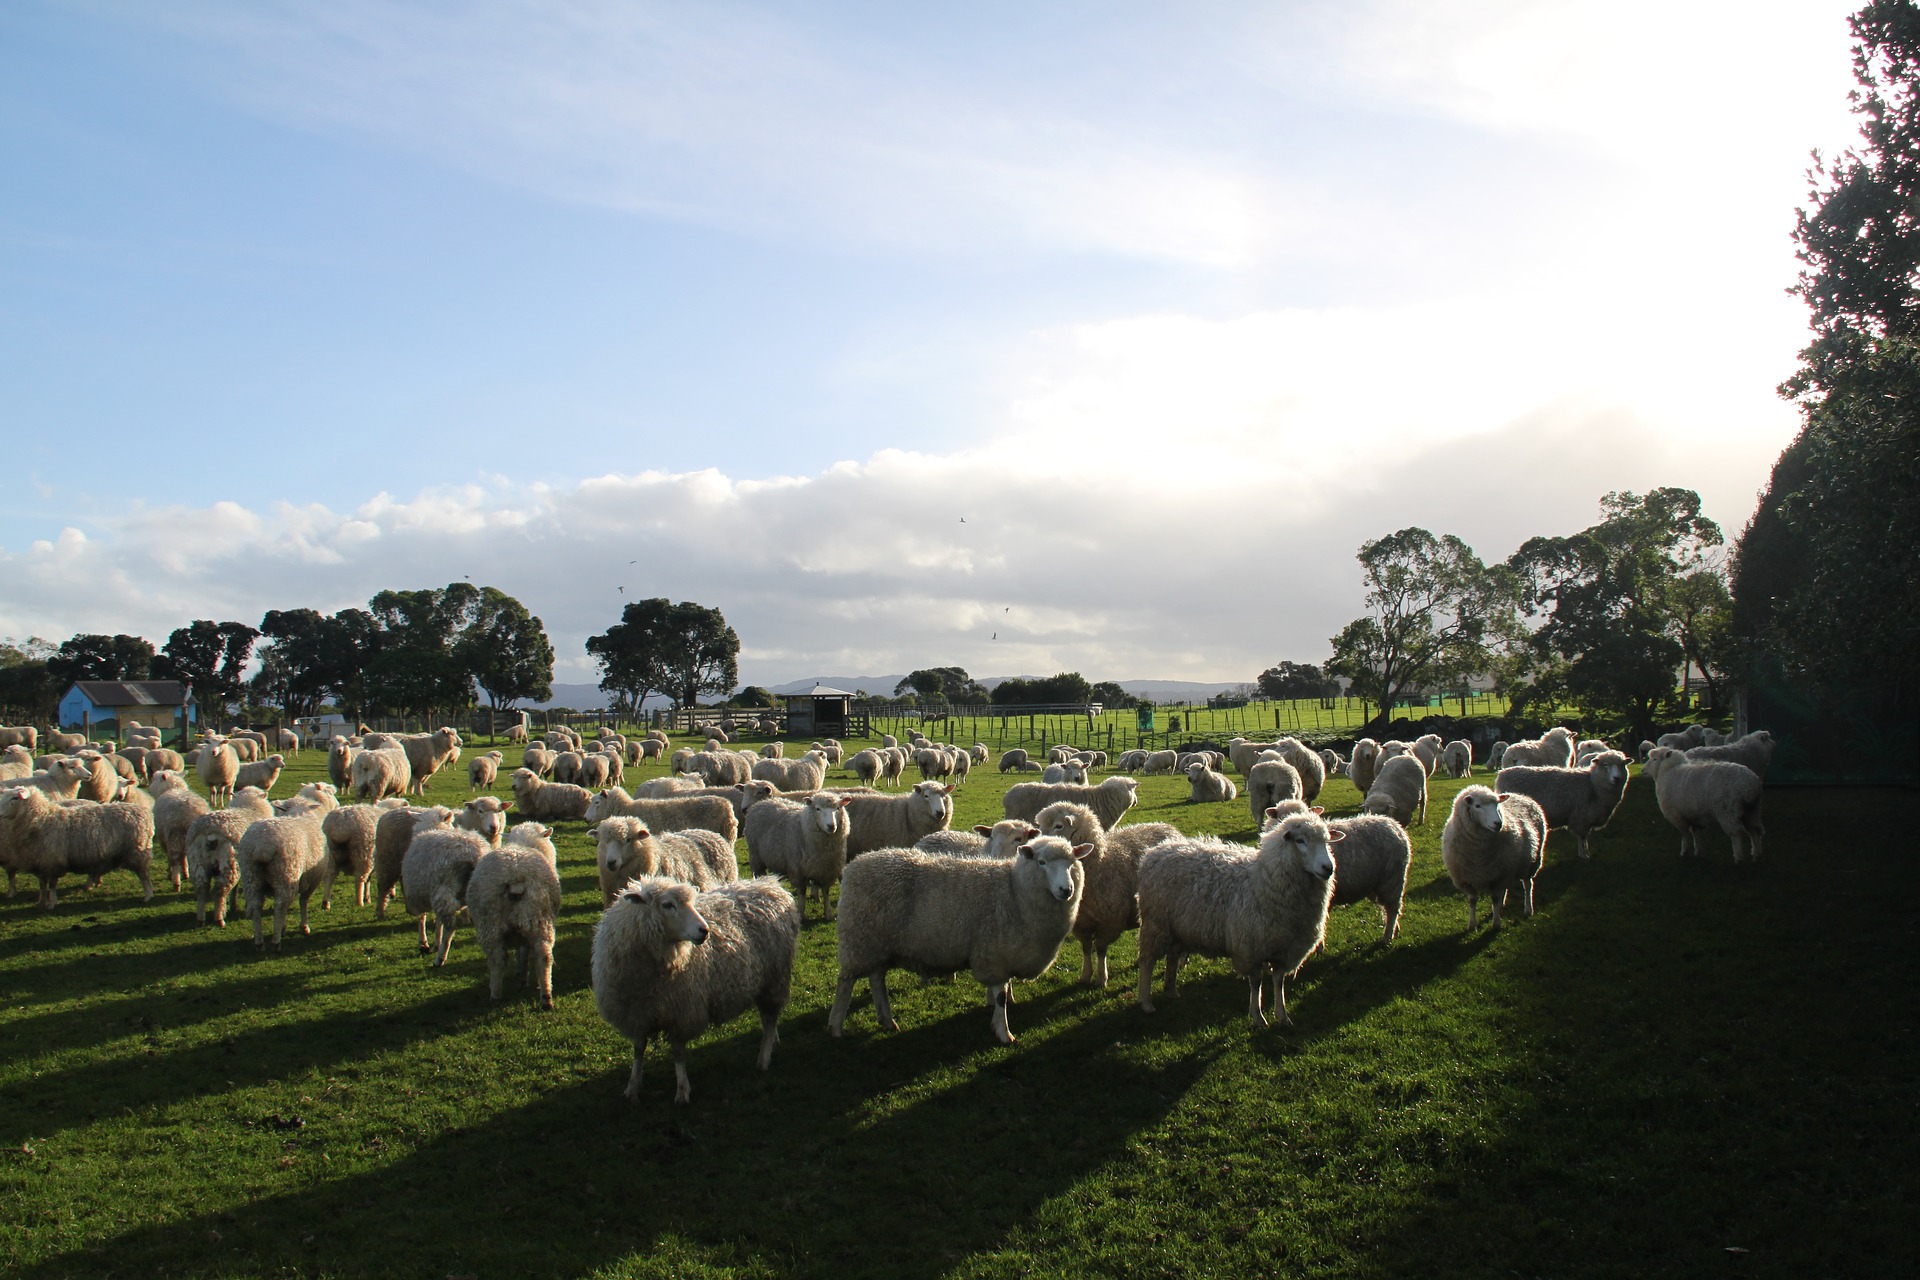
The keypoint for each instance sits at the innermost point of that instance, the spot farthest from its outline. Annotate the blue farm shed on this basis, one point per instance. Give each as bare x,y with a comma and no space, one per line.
115,702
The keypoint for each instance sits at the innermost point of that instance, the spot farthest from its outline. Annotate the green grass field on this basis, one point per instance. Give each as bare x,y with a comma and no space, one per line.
1674,1068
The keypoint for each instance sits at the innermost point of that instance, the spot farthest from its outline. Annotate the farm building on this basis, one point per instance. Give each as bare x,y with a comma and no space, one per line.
151,702
820,712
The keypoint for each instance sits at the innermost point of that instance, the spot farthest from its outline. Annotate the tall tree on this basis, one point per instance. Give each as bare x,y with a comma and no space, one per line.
101,657
417,669
507,650
631,652
1826,578
303,661
943,684
1069,688
210,657
683,649
1287,680
28,691
1431,604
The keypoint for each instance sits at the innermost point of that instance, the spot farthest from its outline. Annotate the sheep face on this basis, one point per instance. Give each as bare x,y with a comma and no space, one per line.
1059,862
487,817
671,906
829,812
1309,840
1658,757
1481,807
936,799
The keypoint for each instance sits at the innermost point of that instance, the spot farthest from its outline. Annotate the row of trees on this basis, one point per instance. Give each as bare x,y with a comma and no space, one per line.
1606,619
407,652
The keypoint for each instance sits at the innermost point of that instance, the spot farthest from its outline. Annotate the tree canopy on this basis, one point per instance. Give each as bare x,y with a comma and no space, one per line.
100,657
1067,688
943,684
210,657
683,649
1288,680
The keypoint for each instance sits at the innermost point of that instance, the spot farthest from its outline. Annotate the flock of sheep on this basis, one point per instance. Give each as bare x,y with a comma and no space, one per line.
685,943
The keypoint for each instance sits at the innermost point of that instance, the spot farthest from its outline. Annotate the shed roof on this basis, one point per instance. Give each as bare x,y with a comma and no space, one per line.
133,693
822,691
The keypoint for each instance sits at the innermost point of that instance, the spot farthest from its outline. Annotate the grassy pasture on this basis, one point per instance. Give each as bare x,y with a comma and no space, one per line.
1675,1068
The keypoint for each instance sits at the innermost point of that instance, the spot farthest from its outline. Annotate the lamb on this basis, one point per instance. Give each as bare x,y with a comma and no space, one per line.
896,822
627,847
51,840
436,870
60,780
1066,771
808,773
1263,909
548,801
381,772
483,769
392,836
671,961
1692,792
1399,790
175,806
351,832
427,754
513,899
285,858
901,908
219,768
1307,763
485,816
1755,751
1208,787
1364,764
1001,840
262,774
1583,800
1458,758
1493,843
1111,799
1268,783
1426,749
1370,864
804,841
1107,902
213,843
340,754
672,813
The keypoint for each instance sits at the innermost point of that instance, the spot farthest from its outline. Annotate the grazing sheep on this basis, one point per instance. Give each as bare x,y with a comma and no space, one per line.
1264,909
1692,793
897,822
1399,790
51,839
1364,764
283,858
213,844
1268,783
1065,771
64,742
804,841
1496,757
381,772
175,806
351,833
1458,758
1207,787
20,735
483,769
1134,761
566,767
1001,840
158,758
516,733
978,753
1582,800
867,765
513,899
1307,763
436,870
1493,843
1554,747
262,773
537,758
1370,864
671,813
1111,799
594,771
219,768
548,801
901,908
392,837
627,847
1107,902
658,788
1755,751
671,961
809,773
1159,762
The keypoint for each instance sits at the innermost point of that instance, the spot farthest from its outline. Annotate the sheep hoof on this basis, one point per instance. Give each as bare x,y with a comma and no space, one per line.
306,931
890,1026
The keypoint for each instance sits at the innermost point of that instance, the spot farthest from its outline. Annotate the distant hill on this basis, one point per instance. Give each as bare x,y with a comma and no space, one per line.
1158,690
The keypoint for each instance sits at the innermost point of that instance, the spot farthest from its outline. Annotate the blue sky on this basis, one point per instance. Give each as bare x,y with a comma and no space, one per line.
752,304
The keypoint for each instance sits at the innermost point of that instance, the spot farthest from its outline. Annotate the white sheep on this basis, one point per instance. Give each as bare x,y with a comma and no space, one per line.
1264,909
808,773
897,822
627,847
1458,758
1755,751
213,844
1399,790
483,769
350,831
1583,800
1364,763
548,801
513,899
1001,840
1554,747
175,806
427,754
1268,783
392,836
438,865
979,753
901,908
261,773
1065,771
1112,870
282,858
1692,793
1369,865
219,767
721,814
60,779
805,841
1208,787
381,772
1426,749
1111,799
1159,762
1492,844
51,839
671,961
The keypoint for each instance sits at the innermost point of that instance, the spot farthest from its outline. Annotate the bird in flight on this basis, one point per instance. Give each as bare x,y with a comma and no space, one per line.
996,635
963,519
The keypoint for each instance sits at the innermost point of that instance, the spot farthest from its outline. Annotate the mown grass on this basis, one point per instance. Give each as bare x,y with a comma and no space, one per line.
1675,1068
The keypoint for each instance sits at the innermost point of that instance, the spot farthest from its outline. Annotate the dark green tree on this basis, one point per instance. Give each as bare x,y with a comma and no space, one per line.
100,657
1069,688
210,657
507,650
28,691
683,649
1109,694
943,684
303,660
1287,680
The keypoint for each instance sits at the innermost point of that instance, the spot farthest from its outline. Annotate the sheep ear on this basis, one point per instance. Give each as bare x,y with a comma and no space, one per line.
595,827
1081,850
1031,833
1322,809
985,831
1335,836
1026,851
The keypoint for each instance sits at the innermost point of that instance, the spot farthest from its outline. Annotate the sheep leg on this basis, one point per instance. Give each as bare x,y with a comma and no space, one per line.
1473,911
1256,993
360,890
306,930
1498,900
1582,837
253,913
1757,833
1101,952
1390,921
526,961
200,904
882,1004
769,1036
842,997
1280,1018
496,971
632,1091
799,897
998,997
1145,996
682,1087
1175,958
1086,962
146,880
826,901
445,941
423,934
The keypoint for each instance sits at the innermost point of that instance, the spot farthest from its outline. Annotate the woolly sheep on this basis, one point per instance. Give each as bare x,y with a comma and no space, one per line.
351,831
1111,799
548,801
381,772
1245,753
1268,783
135,759
392,836
428,753
1692,793
162,758
1307,763
262,774
283,858
979,753
1001,840
627,847
340,754
436,870
1112,869
1426,749
804,774
101,783
513,899
594,771
21,735
1582,800
655,788
1399,790
894,764
1133,761
1370,864
901,908
1330,761
1496,756
212,849
1364,764
540,760
245,749
122,767
1493,843
1207,787
888,740
671,961
60,780
1458,758
897,822
219,767
483,769
1264,909
566,767
1066,771
1554,747
804,841
50,840
485,816
1755,751
1394,747
671,813
58,741
175,806
1159,762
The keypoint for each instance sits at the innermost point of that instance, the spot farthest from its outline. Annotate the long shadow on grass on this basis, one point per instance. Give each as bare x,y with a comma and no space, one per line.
808,1169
